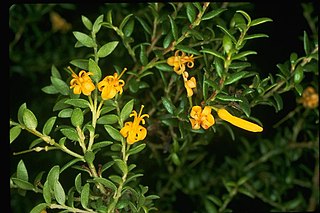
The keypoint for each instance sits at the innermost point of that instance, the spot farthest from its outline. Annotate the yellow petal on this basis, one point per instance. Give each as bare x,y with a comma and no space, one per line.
225,115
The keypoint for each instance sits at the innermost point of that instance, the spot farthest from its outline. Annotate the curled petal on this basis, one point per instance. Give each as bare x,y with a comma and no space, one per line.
241,123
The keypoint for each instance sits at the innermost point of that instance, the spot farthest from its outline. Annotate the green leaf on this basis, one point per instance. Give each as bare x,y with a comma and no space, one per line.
47,193
167,40
54,72
108,119
164,67
128,28
114,133
50,90
65,113
245,106
219,68
191,12
126,110
95,69
227,98
106,183
259,21
77,117
97,24
39,208
53,176
14,133
81,63
168,105
228,33
298,74
243,54
78,102
245,15
70,133
59,193
174,28
29,119
22,184
136,149
124,21
21,112
213,52
306,43
121,165
186,49
213,13
85,193
144,25
143,55
60,85
87,23
278,100
99,145
89,156
78,183
22,172
235,77
107,49
84,39
70,163
49,125
253,36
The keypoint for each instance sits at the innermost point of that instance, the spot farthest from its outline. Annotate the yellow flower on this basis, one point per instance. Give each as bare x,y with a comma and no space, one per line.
132,130
310,98
189,84
111,85
81,83
201,117
178,62
226,116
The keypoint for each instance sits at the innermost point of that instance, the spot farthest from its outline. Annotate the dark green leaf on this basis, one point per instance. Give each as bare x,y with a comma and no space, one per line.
136,149
253,36
106,183
99,145
77,117
168,105
213,52
143,55
227,98
70,133
78,102
22,184
95,69
186,49
126,110
145,26
213,13
108,119
174,28
228,33
114,133
191,12
243,54
259,21
121,165
65,113
128,28
81,63
235,77
60,85
167,40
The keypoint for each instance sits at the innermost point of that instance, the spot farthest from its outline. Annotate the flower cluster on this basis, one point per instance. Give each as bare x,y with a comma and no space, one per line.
205,119
133,131
179,66
310,98
109,86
